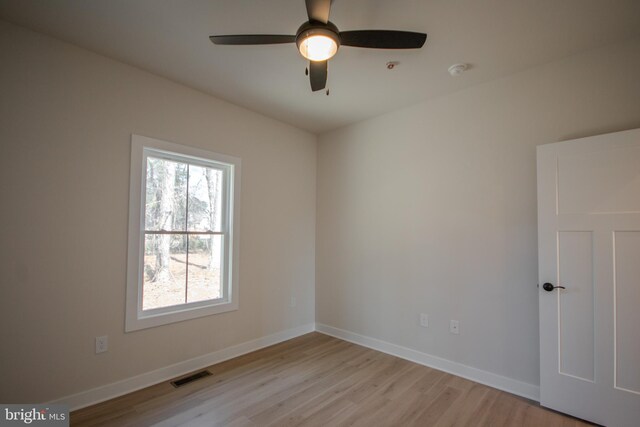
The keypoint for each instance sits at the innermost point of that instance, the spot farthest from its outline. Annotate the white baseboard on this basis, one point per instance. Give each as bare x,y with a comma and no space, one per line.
530,391
109,391
119,388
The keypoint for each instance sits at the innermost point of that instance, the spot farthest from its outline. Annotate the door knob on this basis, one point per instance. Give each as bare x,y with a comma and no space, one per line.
549,287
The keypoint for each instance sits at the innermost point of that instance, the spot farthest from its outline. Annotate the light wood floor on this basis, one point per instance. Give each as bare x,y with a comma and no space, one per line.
317,380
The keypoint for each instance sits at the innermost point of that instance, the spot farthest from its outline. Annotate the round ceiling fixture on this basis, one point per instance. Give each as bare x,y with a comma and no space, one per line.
457,69
318,42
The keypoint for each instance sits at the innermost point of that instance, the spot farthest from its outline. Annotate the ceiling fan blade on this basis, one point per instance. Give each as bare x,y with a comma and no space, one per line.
249,39
383,39
318,10
318,75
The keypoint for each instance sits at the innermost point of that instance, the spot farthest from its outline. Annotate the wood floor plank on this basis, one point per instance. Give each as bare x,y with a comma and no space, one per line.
461,412
483,410
284,407
317,380
368,413
435,410
327,395
500,412
394,389
328,366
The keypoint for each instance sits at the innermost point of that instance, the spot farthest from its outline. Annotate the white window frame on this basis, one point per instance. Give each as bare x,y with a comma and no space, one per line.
141,148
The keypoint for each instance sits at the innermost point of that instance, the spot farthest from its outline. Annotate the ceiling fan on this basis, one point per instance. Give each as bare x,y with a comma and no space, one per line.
318,40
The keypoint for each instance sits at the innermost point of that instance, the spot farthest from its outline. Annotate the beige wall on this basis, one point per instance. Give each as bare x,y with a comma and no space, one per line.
66,119
433,209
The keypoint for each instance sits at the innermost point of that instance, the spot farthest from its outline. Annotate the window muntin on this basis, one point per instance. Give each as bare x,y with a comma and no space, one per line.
185,239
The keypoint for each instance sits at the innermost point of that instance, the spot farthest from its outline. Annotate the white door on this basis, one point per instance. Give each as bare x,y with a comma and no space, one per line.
589,243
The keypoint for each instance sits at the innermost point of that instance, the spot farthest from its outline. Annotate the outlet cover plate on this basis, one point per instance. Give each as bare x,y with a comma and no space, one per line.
424,320
102,344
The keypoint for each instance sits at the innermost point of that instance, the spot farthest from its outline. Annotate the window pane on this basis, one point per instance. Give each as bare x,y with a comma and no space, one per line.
164,271
205,198
166,195
205,256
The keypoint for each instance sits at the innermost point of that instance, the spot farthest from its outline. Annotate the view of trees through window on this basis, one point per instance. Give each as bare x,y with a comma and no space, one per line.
184,240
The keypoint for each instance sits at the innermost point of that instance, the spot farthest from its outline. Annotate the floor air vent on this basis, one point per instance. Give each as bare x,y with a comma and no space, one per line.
190,379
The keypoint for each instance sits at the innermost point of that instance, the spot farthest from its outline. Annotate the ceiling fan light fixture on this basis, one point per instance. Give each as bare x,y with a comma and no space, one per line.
318,47
317,41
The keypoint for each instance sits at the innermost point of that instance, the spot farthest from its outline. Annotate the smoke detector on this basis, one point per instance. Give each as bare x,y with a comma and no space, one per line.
457,69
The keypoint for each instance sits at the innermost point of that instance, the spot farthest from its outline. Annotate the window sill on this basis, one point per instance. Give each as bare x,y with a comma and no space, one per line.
136,322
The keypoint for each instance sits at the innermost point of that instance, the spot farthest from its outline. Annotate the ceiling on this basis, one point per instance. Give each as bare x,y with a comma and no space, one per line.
170,38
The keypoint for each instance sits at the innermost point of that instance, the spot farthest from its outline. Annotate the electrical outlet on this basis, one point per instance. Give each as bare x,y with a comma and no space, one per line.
454,327
102,344
293,302
424,320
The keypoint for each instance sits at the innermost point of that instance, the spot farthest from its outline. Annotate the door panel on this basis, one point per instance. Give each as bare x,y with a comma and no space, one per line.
589,243
576,346
600,181
627,304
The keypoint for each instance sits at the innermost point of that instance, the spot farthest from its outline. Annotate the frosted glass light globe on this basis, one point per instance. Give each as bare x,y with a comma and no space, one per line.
318,47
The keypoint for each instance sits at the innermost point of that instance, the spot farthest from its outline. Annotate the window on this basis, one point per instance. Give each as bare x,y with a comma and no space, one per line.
183,221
